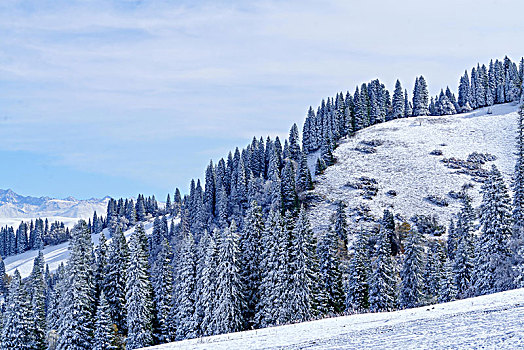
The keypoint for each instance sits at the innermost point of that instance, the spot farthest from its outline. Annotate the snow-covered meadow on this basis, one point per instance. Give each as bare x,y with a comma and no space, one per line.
403,163
489,322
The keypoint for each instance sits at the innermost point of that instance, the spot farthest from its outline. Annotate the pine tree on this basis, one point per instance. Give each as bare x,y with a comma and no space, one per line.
105,337
209,275
357,295
38,303
162,283
304,270
518,182
185,290
517,240
408,110
294,145
493,271
340,225
304,181
3,279
452,240
250,259
229,304
420,97
289,194
398,101
320,166
432,272
463,261
326,150
114,284
464,90
519,268
270,287
382,280
138,295
17,330
411,273
447,288
77,305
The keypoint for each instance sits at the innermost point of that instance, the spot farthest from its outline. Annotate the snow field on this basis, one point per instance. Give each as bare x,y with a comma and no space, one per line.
489,322
403,163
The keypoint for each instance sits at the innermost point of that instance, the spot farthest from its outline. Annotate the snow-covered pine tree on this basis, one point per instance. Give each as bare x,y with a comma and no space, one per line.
320,166
75,331
408,109
200,308
359,114
357,295
114,284
330,290
410,294
304,271
162,284
420,97
229,303
284,273
138,295
452,240
18,328
3,279
517,240
383,279
432,272
398,101
493,272
308,142
38,303
209,274
289,193
326,149
432,107
100,264
105,337
184,312
463,257
271,289
340,225
464,90
56,292
209,193
447,288
294,144
304,181
250,258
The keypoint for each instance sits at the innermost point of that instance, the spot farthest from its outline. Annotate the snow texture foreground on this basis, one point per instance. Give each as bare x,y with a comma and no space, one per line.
489,322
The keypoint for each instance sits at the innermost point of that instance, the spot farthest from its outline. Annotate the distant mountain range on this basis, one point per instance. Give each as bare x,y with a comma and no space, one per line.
15,206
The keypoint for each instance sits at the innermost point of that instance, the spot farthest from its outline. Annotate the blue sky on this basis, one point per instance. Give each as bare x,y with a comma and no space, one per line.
124,97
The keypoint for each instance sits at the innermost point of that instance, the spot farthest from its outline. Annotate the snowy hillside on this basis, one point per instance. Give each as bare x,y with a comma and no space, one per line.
15,208
488,322
55,255
391,164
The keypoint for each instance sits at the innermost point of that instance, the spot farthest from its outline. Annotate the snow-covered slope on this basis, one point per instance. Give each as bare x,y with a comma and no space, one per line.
15,208
56,255
488,322
402,162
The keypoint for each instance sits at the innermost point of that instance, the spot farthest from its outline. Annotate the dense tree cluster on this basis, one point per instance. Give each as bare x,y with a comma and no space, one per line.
32,235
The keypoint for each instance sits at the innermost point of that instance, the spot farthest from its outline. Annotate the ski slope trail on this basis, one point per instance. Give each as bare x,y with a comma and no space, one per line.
488,322
399,160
